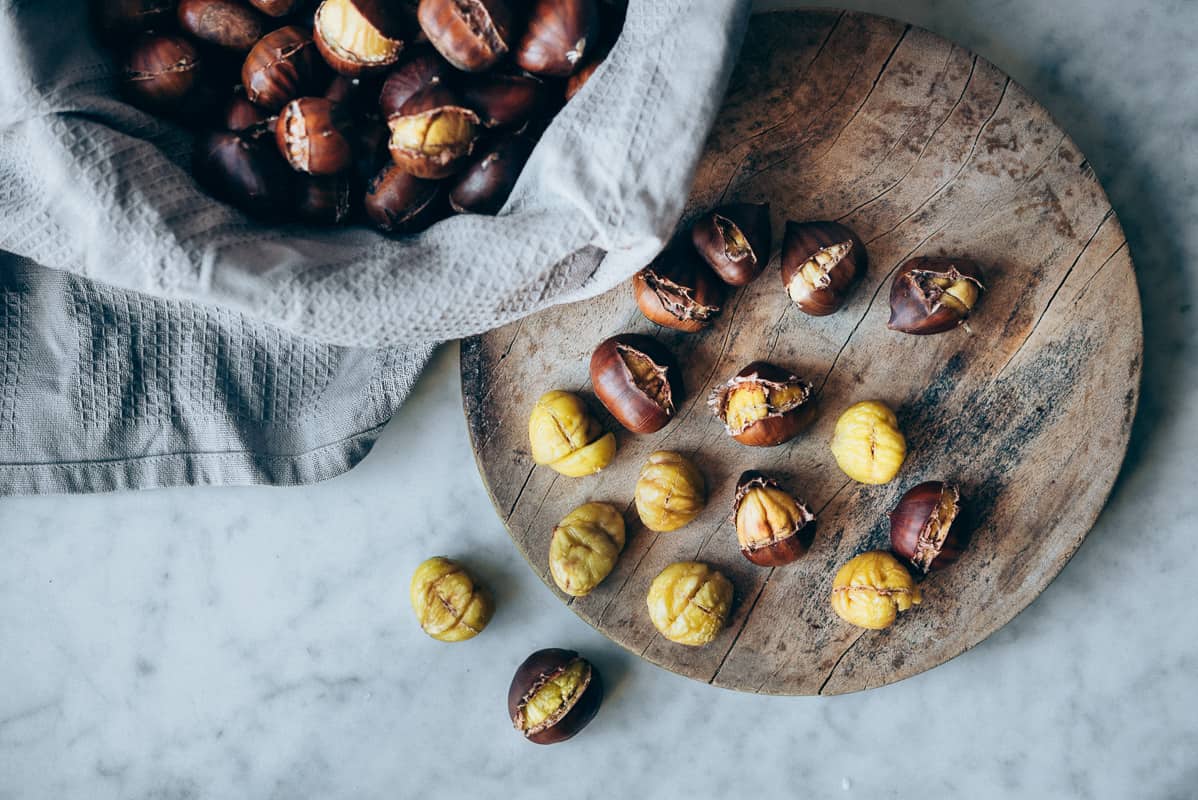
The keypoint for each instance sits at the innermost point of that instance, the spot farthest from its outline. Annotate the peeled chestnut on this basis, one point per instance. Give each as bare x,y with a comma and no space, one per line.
397,202
678,290
933,295
432,134
735,240
921,526
359,36
820,263
554,694
323,199
246,172
772,527
225,23
282,66
763,405
503,101
277,8
117,20
313,134
560,34
471,34
162,73
637,380
484,185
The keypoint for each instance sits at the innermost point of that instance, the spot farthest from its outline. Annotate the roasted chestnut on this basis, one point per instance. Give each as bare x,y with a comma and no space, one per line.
118,20
225,23
277,8
871,589
323,199
921,526
471,34
397,202
162,73
560,35
484,185
933,295
772,527
432,134
313,134
503,101
246,172
637,380
735,240
678,290
370,149
243,116
820,263
554,694
763,405
358,36
670,492
418,69
282,66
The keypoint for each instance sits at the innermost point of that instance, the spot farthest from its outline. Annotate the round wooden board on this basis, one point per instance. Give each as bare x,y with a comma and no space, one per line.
922,148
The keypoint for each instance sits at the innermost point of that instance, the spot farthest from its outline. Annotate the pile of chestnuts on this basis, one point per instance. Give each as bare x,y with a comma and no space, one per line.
397,113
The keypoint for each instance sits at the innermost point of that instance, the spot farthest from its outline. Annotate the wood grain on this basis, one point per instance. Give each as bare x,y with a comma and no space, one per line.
922,148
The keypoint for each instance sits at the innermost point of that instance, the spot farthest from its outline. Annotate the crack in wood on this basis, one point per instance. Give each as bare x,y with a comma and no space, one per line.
836,666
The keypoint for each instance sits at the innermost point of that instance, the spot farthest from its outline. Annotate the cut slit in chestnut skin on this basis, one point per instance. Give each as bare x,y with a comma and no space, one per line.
397,202
735,241
432,134
282,66
934,295
763,405
820,263
538,703
772,527
678,290
637,380
922,526
313,134
163,74
472,35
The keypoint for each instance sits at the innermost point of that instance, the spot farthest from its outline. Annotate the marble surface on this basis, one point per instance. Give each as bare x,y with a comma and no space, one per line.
257,643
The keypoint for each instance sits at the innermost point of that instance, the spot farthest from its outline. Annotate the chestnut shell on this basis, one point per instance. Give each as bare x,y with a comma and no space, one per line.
397,202
225,23
323,199
471,34
801,243
614,385
246,172
117,20
560,35
162,73
314,135
540,667
383,17
753,222
276,8
909,520
915,305
678,290
282,66
417,69
485,184
783,551
504,101
434,99
775,429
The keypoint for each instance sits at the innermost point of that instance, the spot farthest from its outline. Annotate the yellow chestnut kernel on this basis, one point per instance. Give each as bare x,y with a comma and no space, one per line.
689,602
961,295
870,590
747,403
351,35
670,491
563,435
867,443
432,132
554,694
767,514
450,606
585,547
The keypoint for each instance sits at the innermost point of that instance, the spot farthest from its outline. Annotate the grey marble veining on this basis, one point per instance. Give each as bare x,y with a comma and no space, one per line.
257,643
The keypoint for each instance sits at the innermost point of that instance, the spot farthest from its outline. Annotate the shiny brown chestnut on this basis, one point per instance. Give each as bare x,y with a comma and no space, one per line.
246,172
359,36
418,69
735,240
484,185
162,73
579,79
314,135
241,115
763,405
921,526
637,380
554,695
282,66
933,295
678,290
118,20
820,263
772,527
277,8
432,134
397,202
323,199
471,34
559,37
225,23
504,101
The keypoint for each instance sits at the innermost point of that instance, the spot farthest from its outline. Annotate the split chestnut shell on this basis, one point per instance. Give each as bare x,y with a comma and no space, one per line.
763,405
637,380
554,694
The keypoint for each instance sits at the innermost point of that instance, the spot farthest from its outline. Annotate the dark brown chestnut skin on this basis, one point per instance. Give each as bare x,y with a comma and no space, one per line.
763,405
678,290
574,715
162,74
370,149
277,8
119,20
432,134
397,202
735,241
246,172
783,546
225,23
471,34
357,37
560,36
314,135
323,199
820,263
282,66
579,79
921,526
934,295
240,115
418,69
485,184
638,380
502,100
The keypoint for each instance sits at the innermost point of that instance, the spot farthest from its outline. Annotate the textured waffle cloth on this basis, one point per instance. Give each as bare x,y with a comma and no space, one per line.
150,336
